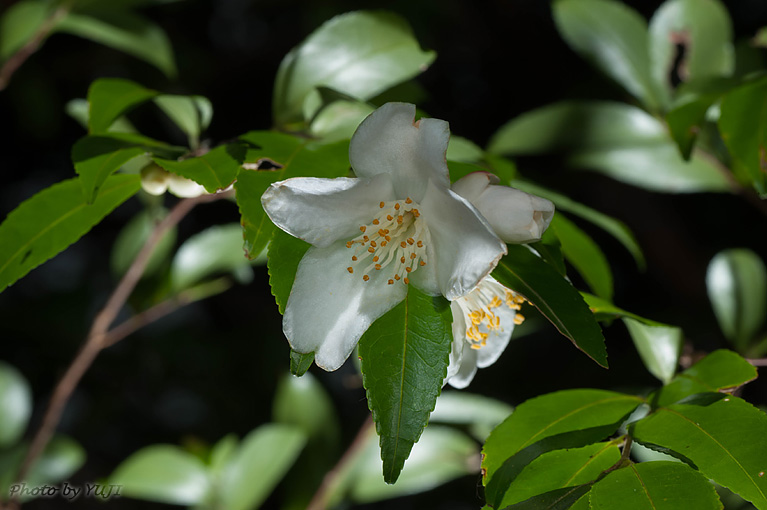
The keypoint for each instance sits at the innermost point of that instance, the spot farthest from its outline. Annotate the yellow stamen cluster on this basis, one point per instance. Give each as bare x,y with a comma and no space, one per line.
396,239
480,307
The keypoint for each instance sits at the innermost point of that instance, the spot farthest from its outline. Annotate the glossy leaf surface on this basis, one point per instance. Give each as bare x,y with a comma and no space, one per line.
585,255
15,404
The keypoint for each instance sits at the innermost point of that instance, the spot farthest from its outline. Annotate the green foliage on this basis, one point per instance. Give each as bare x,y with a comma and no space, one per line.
404,361
300,362
20,23
215,169
659,346
15,404
584,254
192,114
50,221
554,297
132,237
109,98
480,413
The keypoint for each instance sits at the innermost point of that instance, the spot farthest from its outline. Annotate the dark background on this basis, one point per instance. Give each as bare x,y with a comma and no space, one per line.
212,368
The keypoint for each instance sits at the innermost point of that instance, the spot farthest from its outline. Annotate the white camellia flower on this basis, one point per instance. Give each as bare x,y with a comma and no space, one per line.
155,180
484,319
397,223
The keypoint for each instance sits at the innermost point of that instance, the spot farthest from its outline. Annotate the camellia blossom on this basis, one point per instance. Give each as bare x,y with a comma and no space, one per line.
396,224
155,180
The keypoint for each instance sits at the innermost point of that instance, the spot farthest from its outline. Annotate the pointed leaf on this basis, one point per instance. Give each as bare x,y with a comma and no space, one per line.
285,253
404,362
584,254
300,362
550,250
50,221
20,23
558,301
109,98
724,439
191,114
132,237
15,404
558,499
482,414
659,347
658,485
215,170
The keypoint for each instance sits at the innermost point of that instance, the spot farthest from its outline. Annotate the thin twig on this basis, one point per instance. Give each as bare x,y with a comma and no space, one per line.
758,362
325,491
98,337
17,59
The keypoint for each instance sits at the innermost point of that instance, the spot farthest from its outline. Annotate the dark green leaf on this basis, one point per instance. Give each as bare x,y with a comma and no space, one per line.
614,38
558,499
299,362
703,29
192,114
285,253
15,404
550,250
124,31
736,281
404,362
724,439
214,170
584,254
605,310
293,157
658,345
50,221
614,227
565,419
20,23
654,486
459,169
109,98
558,301
561,469
163,473
360,54
721,370
132,237
743,125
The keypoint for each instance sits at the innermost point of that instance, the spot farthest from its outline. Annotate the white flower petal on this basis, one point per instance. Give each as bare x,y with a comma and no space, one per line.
466,369
497,340
329,309
388,141
464,248
472,185
322,211
183,187
459,340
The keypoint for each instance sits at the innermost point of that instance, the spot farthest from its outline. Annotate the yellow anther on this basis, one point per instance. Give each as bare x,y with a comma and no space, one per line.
365,238
376,222
350,269
410,240
381,232
412,256
372,250
389,217
391,282
519,319
408,269
495,303
406,280
373,244
363,228
388,238
354,258
402,260
422,263
349,244
416,213
419,244
381,205
400,219
396,206
408,200
403,244
375,259
366,278
378,267
384,243
396,277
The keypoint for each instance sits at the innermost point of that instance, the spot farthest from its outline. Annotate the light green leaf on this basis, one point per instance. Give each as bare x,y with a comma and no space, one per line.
558,301
299,362
293,157
723,437
192,114
285,253
614,38
561,468
109,98
743,125
215,170
464,150
558,499
20,23
654,486
482,414
222,453
50,221
302,402
124,31
163,473
736,281
703,28
659,346
404,363
360,54
565,419
605,310
262,460
339,120
132,237
688,115
79,110
584,254
721,370
217,249
15,404
442,454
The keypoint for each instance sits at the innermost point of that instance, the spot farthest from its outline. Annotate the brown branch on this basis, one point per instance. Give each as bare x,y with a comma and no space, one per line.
100,337
760,362
321,498
17,59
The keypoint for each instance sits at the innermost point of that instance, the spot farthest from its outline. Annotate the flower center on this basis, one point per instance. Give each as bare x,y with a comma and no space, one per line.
395,242
479,307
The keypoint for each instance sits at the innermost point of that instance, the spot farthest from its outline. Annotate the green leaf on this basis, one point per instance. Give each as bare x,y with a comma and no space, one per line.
550,250
614,38
565,419
736,281
659,346
463,150
654,486
221,454
124,31
217,249
743,126
360,54
20,23
285,253
294,157
724,440
15,404
584,254
404,362
481,413
721,370
703,29
192,114
441,455
109,98
163,473
339,120
558,499
215,170
299,362
614,227
50,221
561,469
558,301
265,455
132,237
